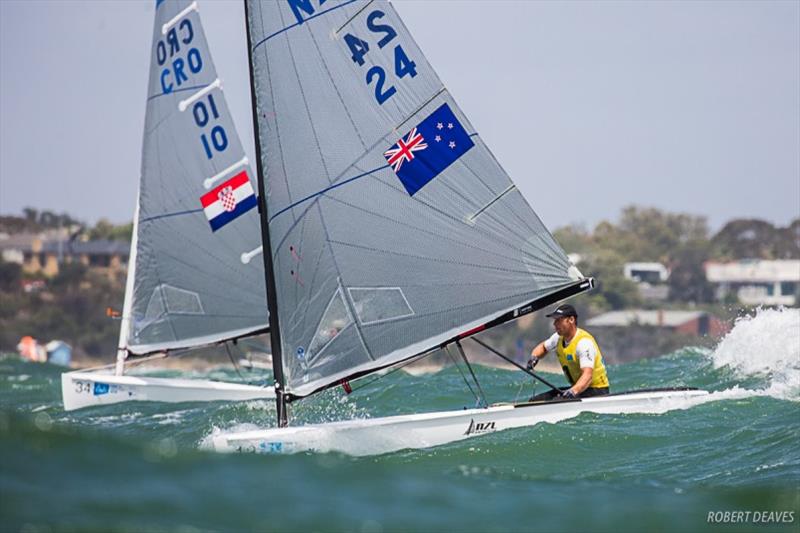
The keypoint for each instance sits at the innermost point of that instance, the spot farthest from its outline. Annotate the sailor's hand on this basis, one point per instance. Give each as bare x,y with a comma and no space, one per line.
532,362
568,394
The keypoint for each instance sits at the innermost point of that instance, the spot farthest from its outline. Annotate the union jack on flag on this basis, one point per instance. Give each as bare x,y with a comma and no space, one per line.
404,149
439,141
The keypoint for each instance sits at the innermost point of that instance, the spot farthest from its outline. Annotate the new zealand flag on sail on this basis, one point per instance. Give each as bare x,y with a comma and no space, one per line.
425,151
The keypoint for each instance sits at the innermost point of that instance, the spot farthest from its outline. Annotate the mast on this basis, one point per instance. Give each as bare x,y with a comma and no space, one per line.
272,300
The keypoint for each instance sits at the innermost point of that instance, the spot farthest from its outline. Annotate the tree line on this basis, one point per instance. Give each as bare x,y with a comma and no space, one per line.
72,307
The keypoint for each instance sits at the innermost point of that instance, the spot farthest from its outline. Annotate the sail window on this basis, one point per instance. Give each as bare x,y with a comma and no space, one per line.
379,304
168,299
334,320
182,301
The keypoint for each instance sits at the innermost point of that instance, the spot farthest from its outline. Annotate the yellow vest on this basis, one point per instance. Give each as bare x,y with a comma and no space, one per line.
572,367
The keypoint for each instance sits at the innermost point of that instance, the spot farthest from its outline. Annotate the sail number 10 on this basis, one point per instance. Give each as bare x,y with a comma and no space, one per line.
403,66
216,140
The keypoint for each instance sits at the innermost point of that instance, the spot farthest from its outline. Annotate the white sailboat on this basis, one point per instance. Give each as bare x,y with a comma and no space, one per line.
189,283
391,229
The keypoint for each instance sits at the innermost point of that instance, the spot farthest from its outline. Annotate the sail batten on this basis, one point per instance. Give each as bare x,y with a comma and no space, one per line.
195,215
393,228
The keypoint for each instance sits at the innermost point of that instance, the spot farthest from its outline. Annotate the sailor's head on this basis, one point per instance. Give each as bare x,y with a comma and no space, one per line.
565,319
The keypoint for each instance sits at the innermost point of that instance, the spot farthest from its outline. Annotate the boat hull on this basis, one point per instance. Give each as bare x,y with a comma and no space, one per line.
383,435
86,389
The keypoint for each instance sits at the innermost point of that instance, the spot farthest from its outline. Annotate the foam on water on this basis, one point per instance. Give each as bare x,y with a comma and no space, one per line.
765,344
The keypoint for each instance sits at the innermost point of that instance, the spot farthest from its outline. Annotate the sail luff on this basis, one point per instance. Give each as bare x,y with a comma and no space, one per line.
272,302
127,302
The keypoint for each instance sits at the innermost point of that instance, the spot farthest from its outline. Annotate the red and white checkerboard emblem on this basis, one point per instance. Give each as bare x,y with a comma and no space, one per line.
227,198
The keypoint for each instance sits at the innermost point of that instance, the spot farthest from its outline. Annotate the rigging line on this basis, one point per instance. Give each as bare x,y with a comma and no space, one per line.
326,189
167,215
469,366
235,365
287,28
529,372
193,88
469,386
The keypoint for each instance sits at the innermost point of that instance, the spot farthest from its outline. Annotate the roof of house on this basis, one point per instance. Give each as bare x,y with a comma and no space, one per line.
98,247
644,317
753,271
18,241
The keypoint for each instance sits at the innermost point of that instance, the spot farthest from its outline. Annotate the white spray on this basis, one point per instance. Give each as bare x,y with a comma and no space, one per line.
765,344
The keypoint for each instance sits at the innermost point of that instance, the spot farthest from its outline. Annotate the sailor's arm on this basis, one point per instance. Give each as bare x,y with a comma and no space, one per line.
584,381
539,351
543,347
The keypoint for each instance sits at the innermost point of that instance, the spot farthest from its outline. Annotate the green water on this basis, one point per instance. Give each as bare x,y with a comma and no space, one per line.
140,466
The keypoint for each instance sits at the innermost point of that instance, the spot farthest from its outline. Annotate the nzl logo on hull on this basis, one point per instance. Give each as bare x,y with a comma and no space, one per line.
480,427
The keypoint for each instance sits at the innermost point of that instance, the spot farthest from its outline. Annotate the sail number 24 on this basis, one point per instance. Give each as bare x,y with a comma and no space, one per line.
385,34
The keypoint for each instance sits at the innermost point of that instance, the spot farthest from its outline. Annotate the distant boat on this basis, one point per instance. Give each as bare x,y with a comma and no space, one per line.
187,284
391,230
55,352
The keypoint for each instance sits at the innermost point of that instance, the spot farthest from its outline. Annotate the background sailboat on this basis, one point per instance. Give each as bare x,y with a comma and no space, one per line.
190,281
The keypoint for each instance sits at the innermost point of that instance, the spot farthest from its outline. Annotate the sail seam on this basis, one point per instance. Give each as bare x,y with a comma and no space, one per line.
287,28
336,88
357,13
400,191
167,215
472,217
326,189
193,88
420,108
429,258
308,111
424,230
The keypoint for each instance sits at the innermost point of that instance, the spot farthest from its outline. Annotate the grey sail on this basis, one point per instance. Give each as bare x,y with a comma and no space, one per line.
392,226
197,212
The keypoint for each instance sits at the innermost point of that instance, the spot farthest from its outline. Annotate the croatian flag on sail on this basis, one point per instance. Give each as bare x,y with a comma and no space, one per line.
425,151
229,200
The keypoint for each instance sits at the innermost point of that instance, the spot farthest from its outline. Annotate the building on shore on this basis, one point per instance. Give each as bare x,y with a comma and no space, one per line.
45,253
697,323
756,282
650,278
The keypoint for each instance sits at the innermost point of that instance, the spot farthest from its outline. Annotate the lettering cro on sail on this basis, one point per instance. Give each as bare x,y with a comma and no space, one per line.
393,230
190,281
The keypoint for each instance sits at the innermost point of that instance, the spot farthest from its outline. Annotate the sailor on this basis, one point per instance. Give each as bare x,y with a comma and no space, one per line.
578,354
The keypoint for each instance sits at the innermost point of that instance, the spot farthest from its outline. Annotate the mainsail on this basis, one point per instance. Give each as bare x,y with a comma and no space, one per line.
393,229
196,214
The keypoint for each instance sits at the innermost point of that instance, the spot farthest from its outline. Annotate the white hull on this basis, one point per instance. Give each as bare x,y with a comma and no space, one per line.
85,389
382,435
